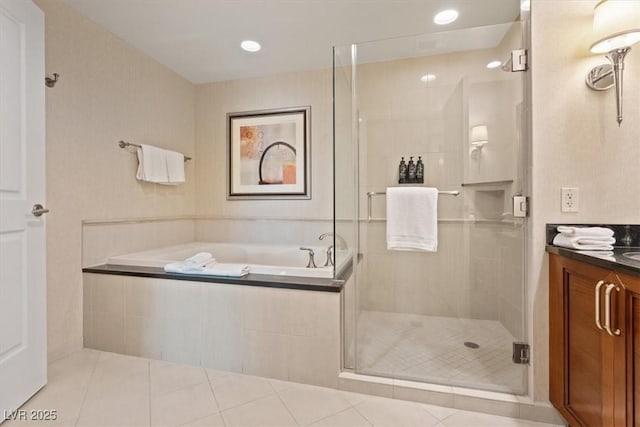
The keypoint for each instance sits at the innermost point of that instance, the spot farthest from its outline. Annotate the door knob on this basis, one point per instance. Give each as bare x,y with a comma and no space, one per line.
38,210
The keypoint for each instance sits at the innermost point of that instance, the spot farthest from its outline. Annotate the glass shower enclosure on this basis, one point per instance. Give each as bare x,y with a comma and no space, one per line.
451,99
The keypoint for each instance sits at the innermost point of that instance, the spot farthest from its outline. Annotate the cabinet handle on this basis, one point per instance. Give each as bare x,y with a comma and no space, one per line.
598,286
607,310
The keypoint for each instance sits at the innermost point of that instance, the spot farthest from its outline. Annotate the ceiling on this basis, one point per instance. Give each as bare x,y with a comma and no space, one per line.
199,39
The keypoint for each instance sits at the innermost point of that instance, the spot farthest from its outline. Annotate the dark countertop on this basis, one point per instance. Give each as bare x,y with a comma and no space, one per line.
616,262
284,282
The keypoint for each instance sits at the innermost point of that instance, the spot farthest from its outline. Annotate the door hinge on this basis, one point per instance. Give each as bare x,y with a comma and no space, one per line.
519,60
520,206
521,352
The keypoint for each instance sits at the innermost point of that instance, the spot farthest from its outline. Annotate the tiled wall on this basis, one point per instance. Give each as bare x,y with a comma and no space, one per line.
102,239
107,91
263,230
278,333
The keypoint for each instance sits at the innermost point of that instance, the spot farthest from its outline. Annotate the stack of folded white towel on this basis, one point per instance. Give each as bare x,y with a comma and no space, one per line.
203,263
585,238
160,166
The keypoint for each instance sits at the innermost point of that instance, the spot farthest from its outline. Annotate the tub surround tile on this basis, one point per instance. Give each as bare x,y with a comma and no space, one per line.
245,329
222,347
265,353
320,353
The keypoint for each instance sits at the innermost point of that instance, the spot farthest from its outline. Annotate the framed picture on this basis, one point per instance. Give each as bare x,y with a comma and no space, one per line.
269,154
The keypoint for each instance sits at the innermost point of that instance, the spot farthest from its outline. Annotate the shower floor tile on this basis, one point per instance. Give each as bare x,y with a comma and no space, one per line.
431,349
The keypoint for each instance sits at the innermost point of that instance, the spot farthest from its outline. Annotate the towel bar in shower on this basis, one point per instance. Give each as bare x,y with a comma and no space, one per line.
124,144
382,193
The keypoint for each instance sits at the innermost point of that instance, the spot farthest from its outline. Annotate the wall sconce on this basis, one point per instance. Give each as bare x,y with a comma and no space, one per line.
616,25
479,137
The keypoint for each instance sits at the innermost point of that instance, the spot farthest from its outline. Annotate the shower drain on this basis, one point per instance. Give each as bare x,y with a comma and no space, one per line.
471,344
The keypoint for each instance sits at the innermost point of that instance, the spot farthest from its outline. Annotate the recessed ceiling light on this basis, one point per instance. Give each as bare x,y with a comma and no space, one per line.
445,17
250,46
494,64
525,5
428,78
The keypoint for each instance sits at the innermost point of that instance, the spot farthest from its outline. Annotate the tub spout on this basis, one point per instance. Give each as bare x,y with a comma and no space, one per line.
340,242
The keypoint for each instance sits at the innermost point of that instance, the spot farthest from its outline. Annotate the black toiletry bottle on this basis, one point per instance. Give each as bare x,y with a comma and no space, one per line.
411,171
420,171
402,171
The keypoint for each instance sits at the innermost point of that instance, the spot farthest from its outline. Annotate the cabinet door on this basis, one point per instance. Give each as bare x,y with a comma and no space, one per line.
582,353
632,376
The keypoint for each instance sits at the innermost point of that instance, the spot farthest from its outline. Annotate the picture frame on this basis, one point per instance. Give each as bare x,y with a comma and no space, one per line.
269,154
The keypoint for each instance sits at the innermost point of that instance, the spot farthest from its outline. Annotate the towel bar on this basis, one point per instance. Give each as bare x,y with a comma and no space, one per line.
124,144
382,193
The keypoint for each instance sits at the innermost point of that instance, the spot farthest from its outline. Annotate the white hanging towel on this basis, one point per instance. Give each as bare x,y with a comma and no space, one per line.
412,219
175,167
152,165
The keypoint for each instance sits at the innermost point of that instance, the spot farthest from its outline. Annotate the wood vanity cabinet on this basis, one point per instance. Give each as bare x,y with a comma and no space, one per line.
594,344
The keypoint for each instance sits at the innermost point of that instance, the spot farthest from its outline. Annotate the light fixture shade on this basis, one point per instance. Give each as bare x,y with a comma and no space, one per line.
616,25
479,135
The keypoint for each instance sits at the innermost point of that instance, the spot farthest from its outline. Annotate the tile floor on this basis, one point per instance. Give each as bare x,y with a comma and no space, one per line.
431,349
93,388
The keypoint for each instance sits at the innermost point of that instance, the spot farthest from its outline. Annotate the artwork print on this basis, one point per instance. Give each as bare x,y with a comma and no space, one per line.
269,154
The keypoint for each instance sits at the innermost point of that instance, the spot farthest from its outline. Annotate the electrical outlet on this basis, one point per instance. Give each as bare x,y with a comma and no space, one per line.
570,199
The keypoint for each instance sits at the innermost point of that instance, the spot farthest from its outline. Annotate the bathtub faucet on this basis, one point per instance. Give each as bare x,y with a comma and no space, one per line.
312,263
329,260
340,242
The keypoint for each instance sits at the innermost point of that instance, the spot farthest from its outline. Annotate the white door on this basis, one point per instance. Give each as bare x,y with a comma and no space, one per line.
23,353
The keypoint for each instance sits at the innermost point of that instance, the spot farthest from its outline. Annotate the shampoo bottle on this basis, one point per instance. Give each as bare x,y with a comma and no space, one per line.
411,171
420,171
402,172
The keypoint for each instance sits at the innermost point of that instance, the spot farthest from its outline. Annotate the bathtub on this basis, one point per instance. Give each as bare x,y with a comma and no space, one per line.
278,260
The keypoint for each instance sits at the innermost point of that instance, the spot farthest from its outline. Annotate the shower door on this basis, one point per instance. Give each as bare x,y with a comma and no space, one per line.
451,100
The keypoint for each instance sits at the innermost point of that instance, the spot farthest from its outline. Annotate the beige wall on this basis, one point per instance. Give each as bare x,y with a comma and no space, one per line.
576,143
215,100
107,91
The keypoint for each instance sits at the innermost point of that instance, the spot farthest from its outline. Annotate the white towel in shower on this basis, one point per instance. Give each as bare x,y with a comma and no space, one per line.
175,167
412,219
585,231
152,164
